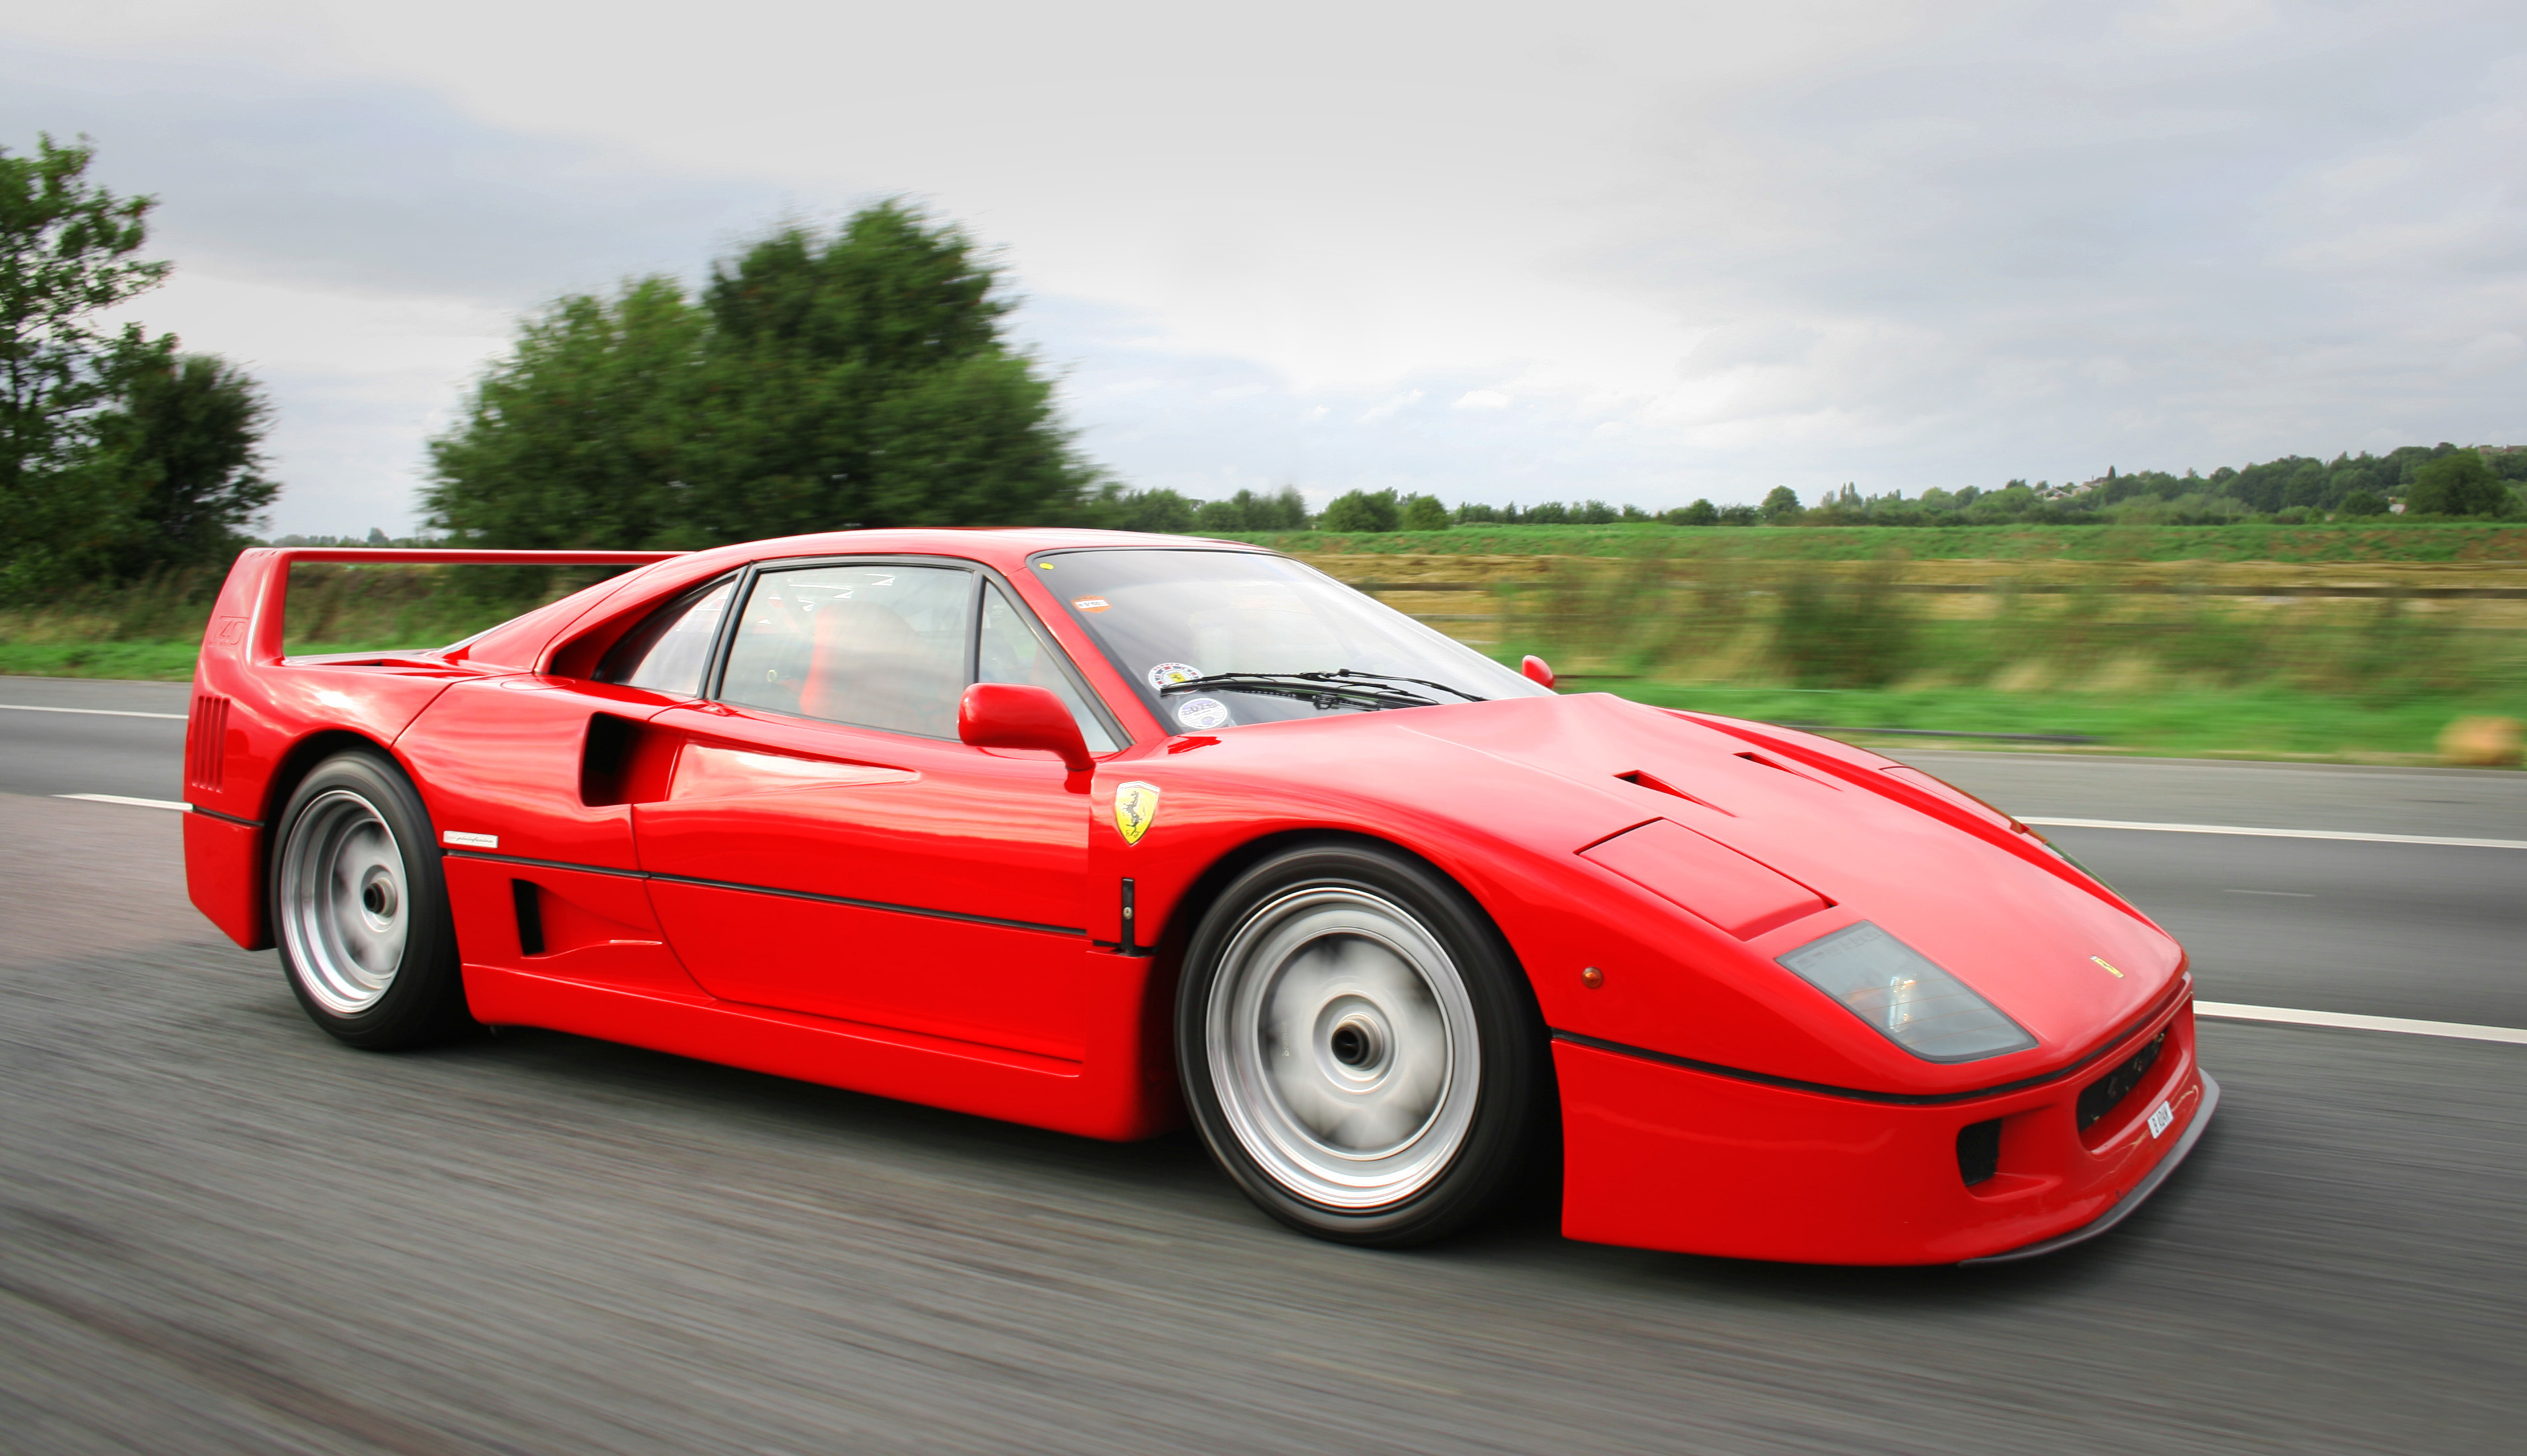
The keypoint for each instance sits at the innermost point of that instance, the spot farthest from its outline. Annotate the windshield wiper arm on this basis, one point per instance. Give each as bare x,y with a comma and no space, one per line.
1321,689
1470,697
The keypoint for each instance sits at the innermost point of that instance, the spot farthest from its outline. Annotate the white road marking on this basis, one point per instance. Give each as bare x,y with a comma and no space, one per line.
2224,828
179,807
2229,1011
93,712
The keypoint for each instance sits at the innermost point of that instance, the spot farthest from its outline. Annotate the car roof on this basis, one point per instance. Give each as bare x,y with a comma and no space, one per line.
1006,547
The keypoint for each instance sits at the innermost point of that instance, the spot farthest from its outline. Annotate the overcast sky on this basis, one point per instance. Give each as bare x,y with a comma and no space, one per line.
1635,252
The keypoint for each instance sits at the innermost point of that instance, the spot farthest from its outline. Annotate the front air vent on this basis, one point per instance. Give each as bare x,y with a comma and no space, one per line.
206,743
2100,1097
1979,1151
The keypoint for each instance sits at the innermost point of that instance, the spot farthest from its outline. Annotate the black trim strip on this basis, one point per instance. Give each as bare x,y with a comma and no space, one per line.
444,852
251,824
1856,1095
766,889
954,915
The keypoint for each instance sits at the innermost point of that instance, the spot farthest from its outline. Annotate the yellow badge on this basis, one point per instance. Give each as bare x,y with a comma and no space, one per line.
2110,971
1136,808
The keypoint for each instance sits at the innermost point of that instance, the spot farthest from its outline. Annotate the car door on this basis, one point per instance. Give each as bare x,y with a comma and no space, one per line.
825,844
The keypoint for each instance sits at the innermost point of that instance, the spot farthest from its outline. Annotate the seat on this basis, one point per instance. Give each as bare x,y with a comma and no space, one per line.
868,666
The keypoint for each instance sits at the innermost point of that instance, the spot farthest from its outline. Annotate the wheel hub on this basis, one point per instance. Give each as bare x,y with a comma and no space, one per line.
343,902
1343,1046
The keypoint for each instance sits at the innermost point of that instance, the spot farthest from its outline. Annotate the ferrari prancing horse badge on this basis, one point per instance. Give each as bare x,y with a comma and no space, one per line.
1136,808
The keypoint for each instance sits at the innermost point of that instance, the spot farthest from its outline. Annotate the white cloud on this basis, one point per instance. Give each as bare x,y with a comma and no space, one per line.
1706,248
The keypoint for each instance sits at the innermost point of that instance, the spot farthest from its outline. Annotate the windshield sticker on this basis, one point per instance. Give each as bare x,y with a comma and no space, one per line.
1168,674
1136,808
1203,713
1091,603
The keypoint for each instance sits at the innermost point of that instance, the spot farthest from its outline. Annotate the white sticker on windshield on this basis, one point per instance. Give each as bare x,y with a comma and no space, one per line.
1203,713
1166,673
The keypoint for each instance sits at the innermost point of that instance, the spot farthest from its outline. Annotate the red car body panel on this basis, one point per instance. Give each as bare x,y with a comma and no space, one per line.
945,923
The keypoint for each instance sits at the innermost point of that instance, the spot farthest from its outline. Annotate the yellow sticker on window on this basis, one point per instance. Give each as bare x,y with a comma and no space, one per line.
1136,808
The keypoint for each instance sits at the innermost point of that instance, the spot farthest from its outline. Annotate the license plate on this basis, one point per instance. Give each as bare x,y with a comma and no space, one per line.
2159,1117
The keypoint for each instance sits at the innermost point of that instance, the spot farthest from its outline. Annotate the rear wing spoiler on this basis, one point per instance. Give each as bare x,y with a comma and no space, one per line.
256,595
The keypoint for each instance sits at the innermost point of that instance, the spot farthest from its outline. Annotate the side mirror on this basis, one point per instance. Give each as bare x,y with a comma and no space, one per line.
1012,715
1536,670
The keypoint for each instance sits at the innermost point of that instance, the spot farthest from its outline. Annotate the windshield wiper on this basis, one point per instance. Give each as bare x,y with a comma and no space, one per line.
1324,691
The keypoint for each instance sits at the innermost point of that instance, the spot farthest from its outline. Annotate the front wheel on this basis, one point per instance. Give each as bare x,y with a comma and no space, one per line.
1361,1050
360,905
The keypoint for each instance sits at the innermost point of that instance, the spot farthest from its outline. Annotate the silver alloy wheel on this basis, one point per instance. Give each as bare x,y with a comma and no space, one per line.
1343,1048
345,906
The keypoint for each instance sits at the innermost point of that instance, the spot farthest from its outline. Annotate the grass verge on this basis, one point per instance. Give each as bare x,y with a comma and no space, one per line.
2266,722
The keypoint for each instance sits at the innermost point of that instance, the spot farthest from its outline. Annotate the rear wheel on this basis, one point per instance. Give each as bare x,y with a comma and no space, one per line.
1360,1049
360,908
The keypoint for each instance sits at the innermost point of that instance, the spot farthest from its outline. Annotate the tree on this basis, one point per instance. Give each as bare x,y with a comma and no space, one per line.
2457,483
1424,513
2364,502
1782,506
185,449
584,435
1700,513
67,255
1360,510
820,381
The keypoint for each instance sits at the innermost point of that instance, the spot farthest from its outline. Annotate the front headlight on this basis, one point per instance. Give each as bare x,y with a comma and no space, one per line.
1906,996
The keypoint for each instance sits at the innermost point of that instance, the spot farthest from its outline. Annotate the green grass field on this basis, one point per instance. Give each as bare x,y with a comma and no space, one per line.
2436,542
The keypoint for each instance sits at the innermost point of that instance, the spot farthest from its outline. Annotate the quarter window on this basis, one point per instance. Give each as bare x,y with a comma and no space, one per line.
668,653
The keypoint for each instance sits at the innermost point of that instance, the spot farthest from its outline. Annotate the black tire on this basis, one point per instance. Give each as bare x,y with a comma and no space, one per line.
359,908
1344,938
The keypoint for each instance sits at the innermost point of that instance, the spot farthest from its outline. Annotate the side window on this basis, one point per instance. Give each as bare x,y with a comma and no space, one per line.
1012,652
669,652
880,647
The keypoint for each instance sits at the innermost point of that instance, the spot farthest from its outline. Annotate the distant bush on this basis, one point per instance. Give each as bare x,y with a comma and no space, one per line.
2457,484
1360,510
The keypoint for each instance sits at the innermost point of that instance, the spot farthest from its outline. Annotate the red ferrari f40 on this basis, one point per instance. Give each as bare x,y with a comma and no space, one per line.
1103,832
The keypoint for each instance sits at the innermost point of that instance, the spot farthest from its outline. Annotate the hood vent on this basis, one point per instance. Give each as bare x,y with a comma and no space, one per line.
1656,784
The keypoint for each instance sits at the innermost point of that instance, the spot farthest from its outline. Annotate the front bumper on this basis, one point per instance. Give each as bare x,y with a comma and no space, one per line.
1659,1155
2133,1200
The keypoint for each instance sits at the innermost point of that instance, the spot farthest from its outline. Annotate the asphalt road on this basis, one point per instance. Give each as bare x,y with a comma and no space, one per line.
220,1230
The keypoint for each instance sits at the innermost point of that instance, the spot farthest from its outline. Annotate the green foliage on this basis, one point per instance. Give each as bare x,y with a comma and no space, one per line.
1700,513
118,459
2363,502
820,382
2457,483
1424,513
1248,510
184,447
1835,631
1360,510
1780,507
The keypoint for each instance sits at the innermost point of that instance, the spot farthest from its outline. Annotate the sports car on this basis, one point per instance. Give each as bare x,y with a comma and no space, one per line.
1105,832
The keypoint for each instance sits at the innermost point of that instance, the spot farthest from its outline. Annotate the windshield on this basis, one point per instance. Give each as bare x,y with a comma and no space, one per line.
1212,640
